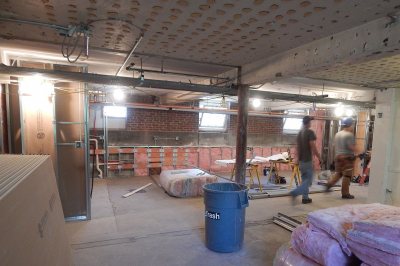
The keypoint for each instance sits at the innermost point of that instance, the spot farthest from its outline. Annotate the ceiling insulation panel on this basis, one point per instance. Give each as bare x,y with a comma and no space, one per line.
381,73
231,32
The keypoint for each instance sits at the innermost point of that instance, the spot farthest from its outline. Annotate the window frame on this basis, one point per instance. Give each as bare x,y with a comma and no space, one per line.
213,105
300,120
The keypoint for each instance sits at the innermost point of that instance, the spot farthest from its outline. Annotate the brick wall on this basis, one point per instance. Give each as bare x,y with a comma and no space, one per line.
162,121
174,121
259,125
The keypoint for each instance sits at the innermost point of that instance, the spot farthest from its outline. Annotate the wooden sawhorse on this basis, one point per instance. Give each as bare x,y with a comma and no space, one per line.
252,170
295,176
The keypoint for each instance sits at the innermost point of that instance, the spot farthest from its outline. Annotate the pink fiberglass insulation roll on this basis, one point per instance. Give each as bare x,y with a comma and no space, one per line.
373,241
227,153
287,256
337,221
204,158
185,182
141,172
387,226
318,246
216,154
193,158
266,152
257,151
372,256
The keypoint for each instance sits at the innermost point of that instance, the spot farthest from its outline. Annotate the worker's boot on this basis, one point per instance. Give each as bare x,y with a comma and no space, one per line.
328,188
348,196
306,201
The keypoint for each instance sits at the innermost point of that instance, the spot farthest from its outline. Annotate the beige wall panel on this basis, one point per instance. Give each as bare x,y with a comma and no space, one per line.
37,125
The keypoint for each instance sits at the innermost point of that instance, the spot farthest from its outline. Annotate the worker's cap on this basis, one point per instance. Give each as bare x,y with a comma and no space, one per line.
347,122
307,119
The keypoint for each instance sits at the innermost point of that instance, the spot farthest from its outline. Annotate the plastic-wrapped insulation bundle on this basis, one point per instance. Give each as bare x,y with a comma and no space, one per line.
287,256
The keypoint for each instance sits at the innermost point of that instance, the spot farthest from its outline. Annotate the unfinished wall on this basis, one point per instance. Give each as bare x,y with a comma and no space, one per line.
175,128
171,139
141,160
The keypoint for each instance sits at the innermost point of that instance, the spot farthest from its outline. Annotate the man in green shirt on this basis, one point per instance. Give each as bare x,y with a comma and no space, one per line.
306,149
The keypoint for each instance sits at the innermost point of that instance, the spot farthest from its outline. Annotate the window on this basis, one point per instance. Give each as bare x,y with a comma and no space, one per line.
293,125
115,111
116,117
211,121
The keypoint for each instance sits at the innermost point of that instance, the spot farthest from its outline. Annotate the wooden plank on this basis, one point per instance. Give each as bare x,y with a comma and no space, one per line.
136,190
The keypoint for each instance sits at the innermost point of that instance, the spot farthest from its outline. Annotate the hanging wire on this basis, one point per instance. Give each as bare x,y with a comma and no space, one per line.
72,40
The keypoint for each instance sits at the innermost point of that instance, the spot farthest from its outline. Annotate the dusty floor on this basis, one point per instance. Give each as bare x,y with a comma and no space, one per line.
152,228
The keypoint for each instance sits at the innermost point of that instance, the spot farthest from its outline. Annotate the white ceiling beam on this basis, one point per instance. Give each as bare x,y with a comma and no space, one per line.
373,40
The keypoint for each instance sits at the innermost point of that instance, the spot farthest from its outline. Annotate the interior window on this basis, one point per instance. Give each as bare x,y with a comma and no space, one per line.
293,125
210,121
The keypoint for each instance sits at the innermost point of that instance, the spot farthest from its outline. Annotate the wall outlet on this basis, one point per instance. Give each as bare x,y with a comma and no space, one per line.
78,144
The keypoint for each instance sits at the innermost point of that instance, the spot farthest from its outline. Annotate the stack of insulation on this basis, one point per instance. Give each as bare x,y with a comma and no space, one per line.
376,242
332,236
185,182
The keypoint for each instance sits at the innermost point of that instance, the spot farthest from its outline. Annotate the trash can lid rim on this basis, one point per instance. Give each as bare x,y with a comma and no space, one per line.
241,188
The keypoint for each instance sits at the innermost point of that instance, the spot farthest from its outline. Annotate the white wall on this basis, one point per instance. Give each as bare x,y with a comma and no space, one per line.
384,184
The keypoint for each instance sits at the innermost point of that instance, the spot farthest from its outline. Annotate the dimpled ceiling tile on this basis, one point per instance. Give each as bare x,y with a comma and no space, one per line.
225,31
379,73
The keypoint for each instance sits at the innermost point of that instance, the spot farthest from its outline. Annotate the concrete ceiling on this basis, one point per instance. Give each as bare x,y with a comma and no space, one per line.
233,32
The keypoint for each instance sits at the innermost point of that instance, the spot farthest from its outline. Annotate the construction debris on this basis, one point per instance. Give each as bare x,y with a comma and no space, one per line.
136,190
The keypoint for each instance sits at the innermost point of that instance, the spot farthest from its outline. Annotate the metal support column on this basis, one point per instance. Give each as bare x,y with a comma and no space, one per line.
105,145
88,177
241,135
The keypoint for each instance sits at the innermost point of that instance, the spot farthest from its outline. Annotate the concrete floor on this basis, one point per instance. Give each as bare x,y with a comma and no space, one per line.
152,228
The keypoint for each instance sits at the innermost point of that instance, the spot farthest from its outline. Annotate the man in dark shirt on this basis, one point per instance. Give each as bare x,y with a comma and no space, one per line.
306,148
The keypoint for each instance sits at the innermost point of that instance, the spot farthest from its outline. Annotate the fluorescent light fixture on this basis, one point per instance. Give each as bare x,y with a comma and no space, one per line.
118,95
256,103
115,111
349,112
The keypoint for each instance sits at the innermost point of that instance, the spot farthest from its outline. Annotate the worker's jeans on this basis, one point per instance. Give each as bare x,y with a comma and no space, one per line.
307,173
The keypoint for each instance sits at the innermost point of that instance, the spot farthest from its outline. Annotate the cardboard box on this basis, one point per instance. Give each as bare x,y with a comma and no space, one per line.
32,226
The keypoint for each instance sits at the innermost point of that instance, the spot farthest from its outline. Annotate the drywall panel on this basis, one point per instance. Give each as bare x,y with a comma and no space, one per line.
32,224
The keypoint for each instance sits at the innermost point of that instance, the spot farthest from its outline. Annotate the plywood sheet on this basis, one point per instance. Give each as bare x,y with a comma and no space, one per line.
37,125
